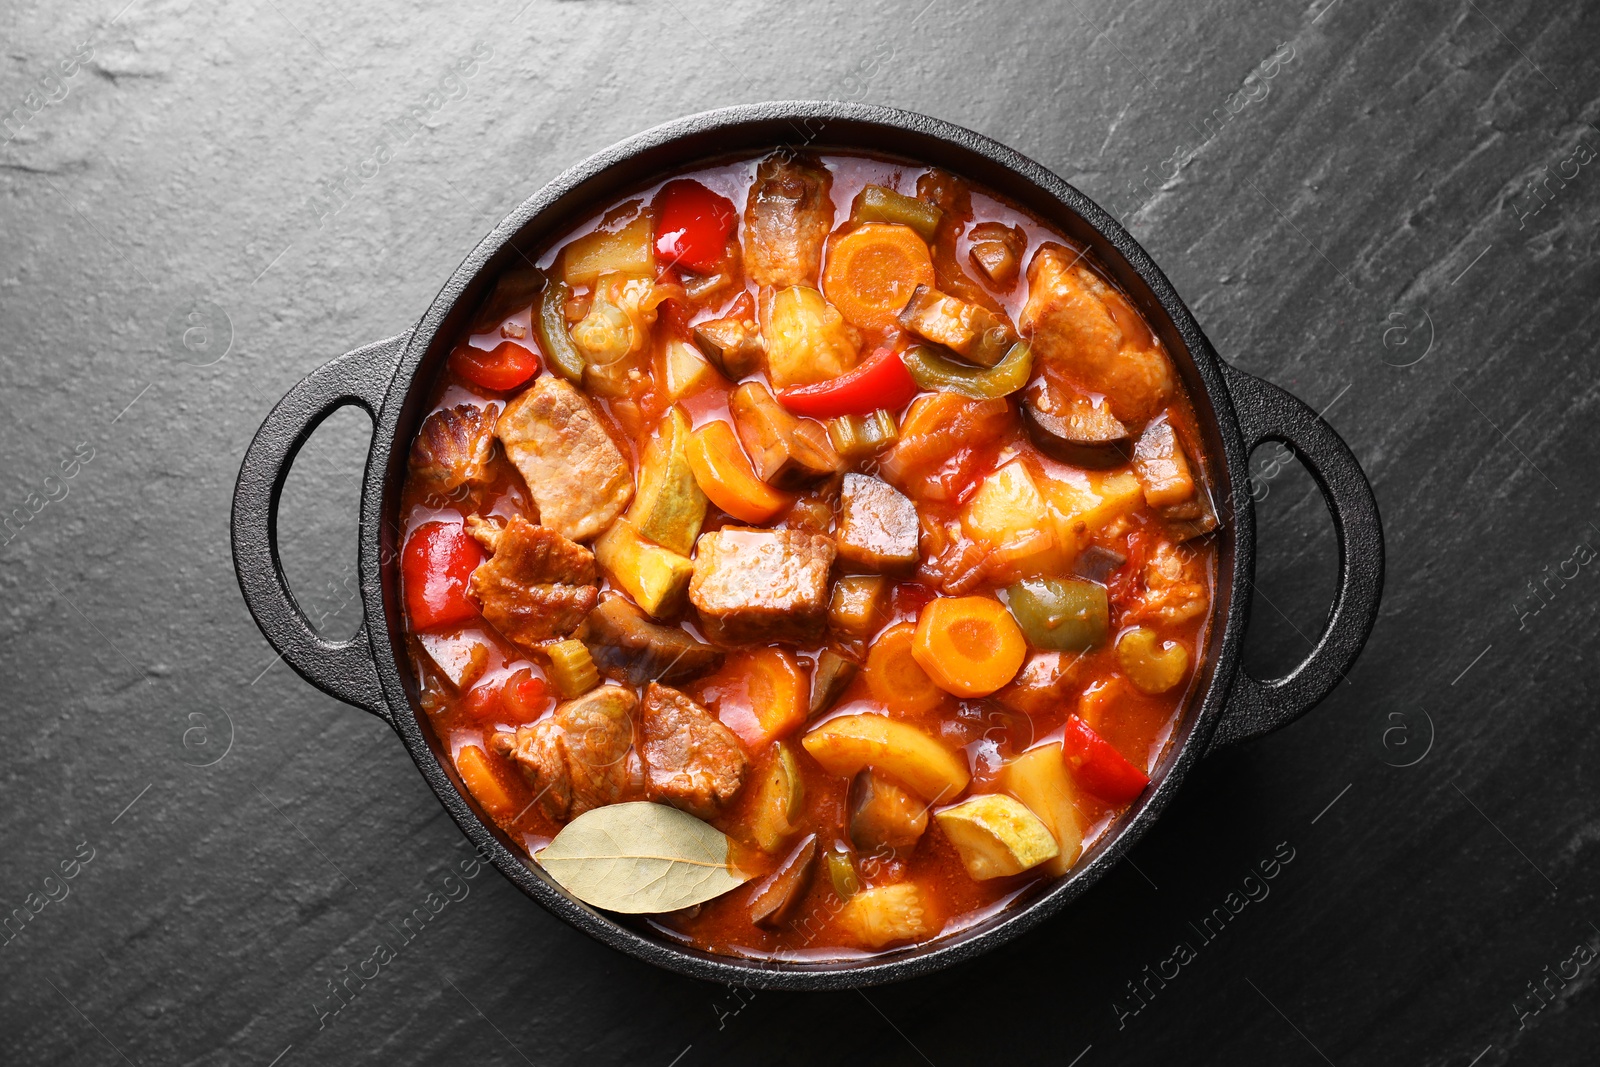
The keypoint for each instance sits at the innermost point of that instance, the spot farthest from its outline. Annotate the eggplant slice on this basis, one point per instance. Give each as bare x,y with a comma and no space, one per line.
1073,429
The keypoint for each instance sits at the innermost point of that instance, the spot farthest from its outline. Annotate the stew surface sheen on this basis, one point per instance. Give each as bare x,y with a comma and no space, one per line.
661,543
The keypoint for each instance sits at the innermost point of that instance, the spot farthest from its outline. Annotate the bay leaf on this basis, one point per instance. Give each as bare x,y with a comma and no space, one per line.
640,858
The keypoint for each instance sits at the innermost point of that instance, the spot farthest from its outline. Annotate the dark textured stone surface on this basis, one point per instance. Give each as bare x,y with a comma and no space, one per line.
1379,187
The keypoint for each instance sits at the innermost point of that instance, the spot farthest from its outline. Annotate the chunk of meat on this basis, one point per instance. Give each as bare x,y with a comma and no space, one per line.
1162,467
691,760
454,448
878,526
537,587
578,477
629,647
761,585
1085,332
786,220
580,757
1174,586
970,330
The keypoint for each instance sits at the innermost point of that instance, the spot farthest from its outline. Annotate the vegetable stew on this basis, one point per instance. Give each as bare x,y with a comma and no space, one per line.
810,551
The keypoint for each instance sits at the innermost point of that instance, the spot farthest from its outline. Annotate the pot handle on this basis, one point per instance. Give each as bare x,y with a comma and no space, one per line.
342,669
1266,413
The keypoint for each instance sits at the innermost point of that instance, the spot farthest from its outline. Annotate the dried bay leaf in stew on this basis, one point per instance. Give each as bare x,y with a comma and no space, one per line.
640,858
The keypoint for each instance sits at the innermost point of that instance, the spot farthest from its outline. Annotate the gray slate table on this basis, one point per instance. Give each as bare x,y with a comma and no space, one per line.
1389,209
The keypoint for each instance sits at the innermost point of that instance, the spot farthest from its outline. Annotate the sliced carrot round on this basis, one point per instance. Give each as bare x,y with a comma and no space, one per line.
969,645
724,474
872,270
895,678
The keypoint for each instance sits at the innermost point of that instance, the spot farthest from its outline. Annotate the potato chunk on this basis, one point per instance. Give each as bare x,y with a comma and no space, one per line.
687,370
578,477
1085,503
1040,780
997,835
806,338
655,577
1009,514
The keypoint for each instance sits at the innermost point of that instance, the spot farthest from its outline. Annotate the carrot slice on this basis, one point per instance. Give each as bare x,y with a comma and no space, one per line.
478,776
725,475
969,645
872,271
759,694
895,678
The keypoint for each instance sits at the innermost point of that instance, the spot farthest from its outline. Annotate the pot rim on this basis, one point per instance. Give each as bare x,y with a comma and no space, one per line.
991,164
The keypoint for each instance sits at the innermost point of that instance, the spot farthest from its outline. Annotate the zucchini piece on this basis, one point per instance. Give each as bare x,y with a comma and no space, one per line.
997,835
670,506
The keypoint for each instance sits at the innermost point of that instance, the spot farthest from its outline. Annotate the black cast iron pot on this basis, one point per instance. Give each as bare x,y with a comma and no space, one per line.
389,380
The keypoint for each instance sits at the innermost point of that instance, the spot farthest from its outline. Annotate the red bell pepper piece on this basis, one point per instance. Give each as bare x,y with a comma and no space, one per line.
692,224
1098,767
438,560
507,366
519,698
882,381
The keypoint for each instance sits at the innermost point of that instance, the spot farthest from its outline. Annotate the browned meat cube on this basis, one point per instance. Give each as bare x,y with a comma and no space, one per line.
1085,330
878,525
785,450
453,449
629,647
578,477
579,758
1174,587
537,587
691,760
1162,467
973,332
786,221
761,585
